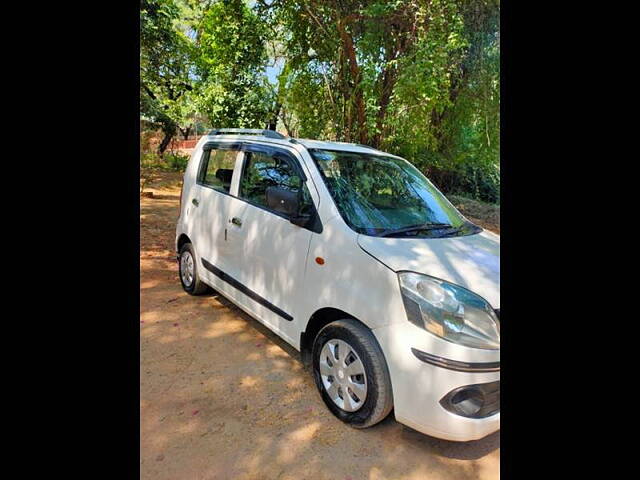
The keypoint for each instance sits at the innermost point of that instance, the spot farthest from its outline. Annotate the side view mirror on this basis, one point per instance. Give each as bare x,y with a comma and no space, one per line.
289,203
283,201
301,220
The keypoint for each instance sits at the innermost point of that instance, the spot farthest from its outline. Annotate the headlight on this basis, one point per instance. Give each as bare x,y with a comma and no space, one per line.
449,311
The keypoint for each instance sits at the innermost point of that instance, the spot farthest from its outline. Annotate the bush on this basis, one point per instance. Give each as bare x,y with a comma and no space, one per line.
170,161
480,183
176,162
150,160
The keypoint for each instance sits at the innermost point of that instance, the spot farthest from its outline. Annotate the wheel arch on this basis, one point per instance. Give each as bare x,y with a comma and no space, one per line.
317,321
182,239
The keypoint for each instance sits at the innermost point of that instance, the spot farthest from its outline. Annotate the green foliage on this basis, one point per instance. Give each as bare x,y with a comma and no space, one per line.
304,95
470,129
417,78
423,81
150,160
480,182
165,68
231,56
175,162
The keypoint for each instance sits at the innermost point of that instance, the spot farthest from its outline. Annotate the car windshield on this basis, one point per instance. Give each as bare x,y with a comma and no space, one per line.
381,195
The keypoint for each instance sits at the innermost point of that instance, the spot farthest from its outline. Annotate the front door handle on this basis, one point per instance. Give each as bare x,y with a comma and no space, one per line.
195,202
236,221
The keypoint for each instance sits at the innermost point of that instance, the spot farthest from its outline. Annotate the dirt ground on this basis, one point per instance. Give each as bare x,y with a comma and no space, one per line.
221,397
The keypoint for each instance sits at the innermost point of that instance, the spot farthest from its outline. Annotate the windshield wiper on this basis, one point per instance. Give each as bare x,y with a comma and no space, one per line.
414,228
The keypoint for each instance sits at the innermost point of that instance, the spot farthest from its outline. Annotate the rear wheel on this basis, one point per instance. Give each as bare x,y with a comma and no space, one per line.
351,373
188,270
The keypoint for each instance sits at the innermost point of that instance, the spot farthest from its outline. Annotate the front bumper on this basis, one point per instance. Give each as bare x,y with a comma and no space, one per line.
419,385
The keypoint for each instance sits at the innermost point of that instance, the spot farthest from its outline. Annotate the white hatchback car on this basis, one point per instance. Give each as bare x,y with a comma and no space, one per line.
354,258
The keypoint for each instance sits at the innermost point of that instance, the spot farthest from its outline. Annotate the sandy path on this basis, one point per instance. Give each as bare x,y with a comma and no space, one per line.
224,398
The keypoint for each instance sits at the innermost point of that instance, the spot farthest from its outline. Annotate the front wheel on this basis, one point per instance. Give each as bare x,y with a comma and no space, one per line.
351,373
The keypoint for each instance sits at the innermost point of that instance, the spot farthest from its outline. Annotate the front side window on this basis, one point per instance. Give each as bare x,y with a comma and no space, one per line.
387,196
217,169
271,170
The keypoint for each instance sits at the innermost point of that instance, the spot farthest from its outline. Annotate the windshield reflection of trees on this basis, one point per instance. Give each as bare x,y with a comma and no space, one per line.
377,194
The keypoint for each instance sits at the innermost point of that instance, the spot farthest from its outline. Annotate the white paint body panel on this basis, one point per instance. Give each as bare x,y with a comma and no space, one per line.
276,260
472,262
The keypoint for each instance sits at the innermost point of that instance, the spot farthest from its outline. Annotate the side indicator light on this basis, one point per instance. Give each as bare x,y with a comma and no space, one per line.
320,260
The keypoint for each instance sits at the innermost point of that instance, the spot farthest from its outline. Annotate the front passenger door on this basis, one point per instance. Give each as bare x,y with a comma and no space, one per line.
271,252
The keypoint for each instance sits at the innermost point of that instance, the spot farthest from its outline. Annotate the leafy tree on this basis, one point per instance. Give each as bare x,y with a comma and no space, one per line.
231,58
354,55
165,69
467,154
418,78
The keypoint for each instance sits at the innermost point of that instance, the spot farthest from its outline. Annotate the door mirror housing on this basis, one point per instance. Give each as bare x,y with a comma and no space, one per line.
301,219
290,203
283,201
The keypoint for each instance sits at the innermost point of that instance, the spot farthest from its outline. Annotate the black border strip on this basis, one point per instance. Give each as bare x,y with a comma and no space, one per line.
249,293
455,364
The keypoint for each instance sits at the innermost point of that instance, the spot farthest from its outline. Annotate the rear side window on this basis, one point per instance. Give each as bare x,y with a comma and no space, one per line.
262,170
216,169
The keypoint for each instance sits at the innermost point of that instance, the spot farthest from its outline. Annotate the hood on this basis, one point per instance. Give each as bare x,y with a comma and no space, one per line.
472,261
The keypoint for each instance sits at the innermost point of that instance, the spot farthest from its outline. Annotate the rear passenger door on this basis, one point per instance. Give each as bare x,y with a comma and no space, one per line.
270,252
211,203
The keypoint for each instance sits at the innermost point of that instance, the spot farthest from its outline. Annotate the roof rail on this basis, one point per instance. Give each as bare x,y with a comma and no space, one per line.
248,131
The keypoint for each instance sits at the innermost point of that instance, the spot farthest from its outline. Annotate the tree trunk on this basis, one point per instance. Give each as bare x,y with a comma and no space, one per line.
438,119
388,83
285,122
185,132
168,136
273,121
349,49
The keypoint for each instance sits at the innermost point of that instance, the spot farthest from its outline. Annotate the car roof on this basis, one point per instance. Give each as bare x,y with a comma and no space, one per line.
305,142
322,145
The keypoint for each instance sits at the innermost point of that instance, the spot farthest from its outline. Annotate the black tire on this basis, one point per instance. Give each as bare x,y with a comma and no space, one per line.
197,287
379,398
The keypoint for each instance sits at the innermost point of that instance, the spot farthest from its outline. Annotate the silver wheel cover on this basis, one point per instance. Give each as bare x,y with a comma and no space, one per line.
187,268
343,376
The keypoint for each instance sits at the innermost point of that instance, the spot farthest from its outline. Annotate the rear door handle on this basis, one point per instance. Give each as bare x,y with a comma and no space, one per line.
236,221
195,202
